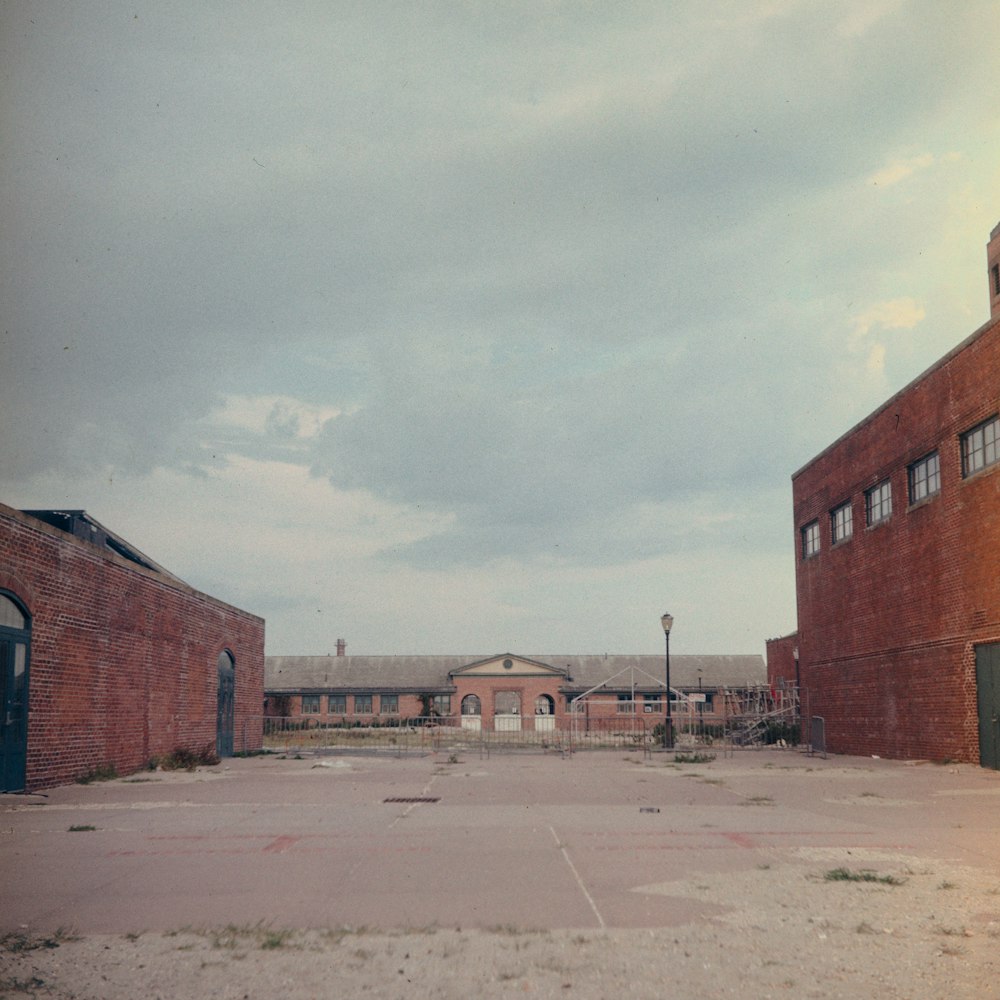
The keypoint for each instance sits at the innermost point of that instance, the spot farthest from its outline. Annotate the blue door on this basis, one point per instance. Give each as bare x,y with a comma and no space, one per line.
13,696
226,711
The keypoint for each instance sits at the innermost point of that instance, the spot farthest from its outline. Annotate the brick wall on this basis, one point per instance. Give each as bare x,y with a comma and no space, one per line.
122,659
782,666
888,619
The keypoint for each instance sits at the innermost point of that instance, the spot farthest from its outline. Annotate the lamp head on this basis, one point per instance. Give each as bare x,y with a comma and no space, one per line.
667,621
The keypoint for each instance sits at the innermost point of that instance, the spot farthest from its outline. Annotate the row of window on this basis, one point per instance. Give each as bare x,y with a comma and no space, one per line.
388,704
336,704
980,447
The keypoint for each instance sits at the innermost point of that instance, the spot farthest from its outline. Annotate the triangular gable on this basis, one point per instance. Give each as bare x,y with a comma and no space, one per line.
507,665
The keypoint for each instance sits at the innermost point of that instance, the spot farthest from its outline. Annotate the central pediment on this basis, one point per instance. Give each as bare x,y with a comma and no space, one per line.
508,665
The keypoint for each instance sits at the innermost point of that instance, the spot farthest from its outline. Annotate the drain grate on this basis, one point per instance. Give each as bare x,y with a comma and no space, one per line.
409,800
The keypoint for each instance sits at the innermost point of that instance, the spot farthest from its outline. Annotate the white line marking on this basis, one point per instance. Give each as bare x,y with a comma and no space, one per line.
579,881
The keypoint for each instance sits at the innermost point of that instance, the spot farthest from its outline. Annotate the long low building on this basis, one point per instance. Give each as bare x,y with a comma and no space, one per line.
503,692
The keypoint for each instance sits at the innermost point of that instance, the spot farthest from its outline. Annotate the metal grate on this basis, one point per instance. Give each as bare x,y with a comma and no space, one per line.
408,800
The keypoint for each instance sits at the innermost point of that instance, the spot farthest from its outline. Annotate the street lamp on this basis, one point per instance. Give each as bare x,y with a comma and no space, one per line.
667,622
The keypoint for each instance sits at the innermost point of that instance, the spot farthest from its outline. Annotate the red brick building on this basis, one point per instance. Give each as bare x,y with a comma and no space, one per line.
107,660
898,574
502,693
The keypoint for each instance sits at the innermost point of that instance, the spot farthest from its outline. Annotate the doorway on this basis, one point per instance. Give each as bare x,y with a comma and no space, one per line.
226,712
14,642
988,693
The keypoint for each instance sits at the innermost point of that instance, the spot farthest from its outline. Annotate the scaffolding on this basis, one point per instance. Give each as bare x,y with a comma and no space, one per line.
762,716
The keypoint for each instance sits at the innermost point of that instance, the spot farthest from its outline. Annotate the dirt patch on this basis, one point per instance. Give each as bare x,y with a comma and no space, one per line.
913,930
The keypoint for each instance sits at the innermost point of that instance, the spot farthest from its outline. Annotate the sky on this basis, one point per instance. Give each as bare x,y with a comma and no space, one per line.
478,327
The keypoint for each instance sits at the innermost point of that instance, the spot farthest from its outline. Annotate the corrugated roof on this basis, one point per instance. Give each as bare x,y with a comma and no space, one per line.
430,673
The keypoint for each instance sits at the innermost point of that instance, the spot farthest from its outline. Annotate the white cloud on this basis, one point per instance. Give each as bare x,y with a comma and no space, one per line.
899,170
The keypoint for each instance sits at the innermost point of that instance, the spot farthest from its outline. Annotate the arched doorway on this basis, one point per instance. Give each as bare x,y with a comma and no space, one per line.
472,712
545,714
226,708
15,634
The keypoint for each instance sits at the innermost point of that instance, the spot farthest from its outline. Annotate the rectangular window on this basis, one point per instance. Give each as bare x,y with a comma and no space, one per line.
841,523
651,703
310,704
925,477
810,540
336,704
995,272
878,502
442,704
980,446
625,705
362,704
388,704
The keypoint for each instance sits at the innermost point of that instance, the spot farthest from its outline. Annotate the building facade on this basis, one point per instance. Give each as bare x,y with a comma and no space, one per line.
897,530
108,661
501,693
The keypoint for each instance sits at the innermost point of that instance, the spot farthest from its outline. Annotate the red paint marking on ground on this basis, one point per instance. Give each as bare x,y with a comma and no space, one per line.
740,839
281,844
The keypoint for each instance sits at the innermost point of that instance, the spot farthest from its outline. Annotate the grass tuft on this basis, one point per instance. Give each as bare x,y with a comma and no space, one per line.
864,875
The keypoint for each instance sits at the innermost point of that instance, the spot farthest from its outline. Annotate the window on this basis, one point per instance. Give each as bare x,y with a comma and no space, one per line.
651,703
337,704
925,477
310,704
981,446
442,704
471,705
625,705
810,540
544,705
995,274
841,523
362,704
388,704
878,502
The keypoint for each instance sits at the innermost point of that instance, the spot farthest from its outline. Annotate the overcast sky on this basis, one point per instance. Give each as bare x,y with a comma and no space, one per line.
475,327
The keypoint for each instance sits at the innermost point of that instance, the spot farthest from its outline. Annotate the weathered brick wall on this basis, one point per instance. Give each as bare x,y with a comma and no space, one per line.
781,660
888,619
123,660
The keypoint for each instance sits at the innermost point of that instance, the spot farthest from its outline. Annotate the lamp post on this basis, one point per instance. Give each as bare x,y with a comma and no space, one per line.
667,622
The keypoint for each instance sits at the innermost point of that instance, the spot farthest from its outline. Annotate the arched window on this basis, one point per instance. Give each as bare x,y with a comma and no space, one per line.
471,705
544,705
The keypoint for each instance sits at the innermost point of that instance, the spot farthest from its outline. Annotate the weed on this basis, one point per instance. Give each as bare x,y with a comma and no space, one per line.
82,828
694,758
16,942
185,759
947,885
758,800
15,985
133,935
864,875
453,758
865,928
104,772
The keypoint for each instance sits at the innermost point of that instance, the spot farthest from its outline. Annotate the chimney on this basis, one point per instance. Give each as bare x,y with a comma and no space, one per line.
993,265
341,647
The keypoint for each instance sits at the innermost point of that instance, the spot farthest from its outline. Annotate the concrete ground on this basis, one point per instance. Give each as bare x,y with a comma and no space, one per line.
525,841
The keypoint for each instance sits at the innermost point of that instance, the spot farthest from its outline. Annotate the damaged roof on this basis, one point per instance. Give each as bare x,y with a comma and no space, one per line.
80,524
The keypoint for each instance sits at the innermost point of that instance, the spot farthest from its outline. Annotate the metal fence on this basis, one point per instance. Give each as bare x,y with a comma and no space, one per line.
432,734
